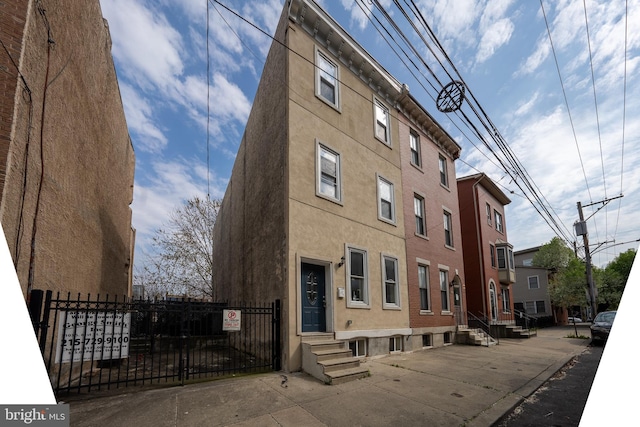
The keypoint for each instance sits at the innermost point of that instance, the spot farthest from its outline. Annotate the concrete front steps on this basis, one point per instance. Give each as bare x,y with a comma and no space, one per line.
475,337
513,331
329,360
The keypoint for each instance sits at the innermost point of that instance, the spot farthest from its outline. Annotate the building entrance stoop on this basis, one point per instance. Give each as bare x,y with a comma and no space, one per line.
474,336
329,360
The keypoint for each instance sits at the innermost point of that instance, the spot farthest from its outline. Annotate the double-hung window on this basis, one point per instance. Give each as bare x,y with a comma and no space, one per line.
414,143
492,253
448,229
502,257
423,284
506,301
327,85
498,217
418,208
533,282
442,165
386,203
488,206
328,167
391,288
358,293
382,122
444,290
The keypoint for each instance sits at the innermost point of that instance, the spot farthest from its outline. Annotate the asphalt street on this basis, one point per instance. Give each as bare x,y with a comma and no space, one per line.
560,401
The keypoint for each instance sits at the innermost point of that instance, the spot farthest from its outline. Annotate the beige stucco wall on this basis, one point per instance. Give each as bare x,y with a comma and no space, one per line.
319,228
84,237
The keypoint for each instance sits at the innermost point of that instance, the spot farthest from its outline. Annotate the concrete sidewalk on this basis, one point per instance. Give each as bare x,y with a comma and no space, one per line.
450,386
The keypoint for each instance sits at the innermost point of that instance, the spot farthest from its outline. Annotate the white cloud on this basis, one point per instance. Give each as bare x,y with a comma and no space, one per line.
140,120
496,35
144,42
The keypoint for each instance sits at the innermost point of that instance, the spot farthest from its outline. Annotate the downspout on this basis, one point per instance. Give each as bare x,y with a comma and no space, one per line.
478,239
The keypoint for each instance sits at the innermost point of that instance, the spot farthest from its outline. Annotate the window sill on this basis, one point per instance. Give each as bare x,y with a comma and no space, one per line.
446,187
330,199
426,313
418,167
391,307
451,248
422,236
388,221
446,313
358,305
329,103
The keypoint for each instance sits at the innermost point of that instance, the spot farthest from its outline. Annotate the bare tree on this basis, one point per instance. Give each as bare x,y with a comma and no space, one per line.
182,259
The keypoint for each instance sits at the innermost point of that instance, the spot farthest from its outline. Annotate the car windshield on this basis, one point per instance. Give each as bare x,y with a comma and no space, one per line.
606,317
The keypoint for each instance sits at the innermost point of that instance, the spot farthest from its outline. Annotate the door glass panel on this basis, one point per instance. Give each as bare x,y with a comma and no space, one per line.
312,288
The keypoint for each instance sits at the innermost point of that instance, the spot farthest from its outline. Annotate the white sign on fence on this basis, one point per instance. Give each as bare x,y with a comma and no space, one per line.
231,320
92,336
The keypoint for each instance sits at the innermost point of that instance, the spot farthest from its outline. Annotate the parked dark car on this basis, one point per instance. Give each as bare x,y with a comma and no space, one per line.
602,326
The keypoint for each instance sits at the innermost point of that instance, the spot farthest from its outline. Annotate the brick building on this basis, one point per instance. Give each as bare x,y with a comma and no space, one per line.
66,159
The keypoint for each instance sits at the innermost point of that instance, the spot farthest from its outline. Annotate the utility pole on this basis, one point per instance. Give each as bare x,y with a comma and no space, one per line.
581,230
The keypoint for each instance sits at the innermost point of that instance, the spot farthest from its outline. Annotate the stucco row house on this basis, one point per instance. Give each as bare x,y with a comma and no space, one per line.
66,159
343,202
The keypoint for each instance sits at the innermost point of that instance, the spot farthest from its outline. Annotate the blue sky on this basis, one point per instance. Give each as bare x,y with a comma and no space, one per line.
501,49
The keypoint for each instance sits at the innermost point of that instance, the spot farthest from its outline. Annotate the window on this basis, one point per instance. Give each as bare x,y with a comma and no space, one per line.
498,218
502,258
534,307
448,229
382,130
391,289
418,208
488,214
327,80
414,143
358,347
444,290
426,340
527,262
442,165
423,284
328,180
492,254
447,337
358,284
512,263
533,282
506,300
395,344
386,205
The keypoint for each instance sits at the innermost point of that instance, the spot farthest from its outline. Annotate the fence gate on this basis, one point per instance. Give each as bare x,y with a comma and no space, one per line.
101,343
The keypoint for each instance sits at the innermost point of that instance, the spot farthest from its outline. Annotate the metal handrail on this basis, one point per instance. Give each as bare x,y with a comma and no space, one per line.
484,326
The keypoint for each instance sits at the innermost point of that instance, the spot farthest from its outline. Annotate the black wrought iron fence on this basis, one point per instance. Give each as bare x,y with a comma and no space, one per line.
90,344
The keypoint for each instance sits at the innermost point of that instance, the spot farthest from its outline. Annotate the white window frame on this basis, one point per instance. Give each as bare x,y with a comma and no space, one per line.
395,344
319,77
360,347
379,106
444,287
488,207
364,302
424,286
415,149
492,255
447,220
506,300
420,217
498,218
443,169
394,280
320,148
503,250
380,180
537,282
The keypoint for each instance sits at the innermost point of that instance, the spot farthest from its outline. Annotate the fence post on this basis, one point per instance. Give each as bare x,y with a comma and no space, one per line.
35,308
275,332
44,328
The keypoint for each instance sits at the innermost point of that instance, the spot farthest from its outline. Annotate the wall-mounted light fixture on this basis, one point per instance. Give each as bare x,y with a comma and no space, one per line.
341,263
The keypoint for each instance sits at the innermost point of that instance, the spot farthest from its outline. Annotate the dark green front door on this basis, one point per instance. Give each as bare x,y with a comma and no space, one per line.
312,284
